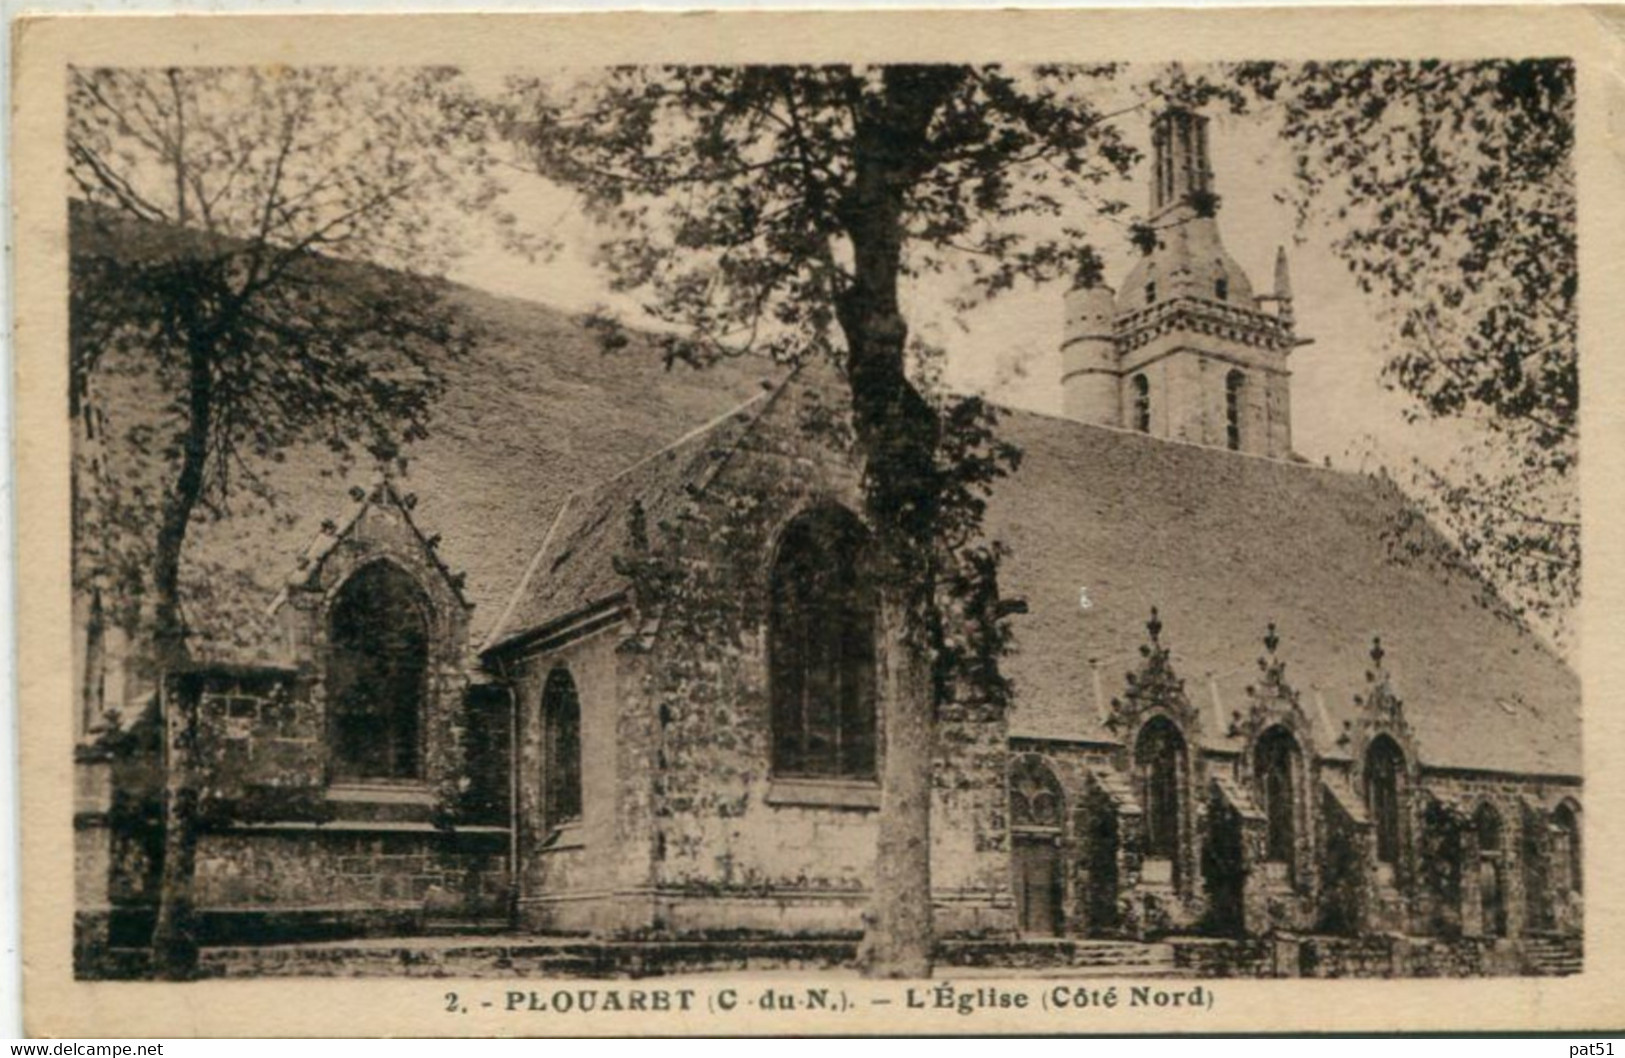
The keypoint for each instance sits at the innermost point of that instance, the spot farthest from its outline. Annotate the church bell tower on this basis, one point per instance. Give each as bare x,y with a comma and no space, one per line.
1184,350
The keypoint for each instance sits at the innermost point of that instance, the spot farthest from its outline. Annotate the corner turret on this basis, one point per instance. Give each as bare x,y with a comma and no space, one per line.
1089,369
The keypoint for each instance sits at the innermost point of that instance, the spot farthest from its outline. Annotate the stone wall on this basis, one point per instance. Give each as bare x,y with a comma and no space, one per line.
1260,957
1449,809
282,850
707,838
286,867
1380,956
261,738
573,876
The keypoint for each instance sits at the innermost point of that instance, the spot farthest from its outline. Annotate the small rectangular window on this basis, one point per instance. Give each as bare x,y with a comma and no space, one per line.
1234,383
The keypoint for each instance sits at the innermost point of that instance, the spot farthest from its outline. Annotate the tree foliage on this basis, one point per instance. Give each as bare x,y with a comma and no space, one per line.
1451,188
732,192
221,222
220,216
784,211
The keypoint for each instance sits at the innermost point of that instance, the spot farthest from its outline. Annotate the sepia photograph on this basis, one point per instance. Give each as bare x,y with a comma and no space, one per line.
822,521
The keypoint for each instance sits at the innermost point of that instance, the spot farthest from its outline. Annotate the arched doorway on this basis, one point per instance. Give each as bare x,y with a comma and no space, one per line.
1491,870
1037,809
1100,840
1535,857
1441,867
1224,869
1160,768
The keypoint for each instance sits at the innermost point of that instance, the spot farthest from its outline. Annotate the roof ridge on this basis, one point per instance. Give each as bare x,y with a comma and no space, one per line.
493,637
768,399
592,498
1175,442
696,432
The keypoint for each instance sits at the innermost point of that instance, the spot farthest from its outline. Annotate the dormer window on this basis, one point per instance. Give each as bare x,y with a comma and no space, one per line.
1151,293
1221,288
1142,403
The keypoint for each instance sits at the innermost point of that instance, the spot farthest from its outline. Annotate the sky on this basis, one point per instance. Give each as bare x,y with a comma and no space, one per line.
1009,350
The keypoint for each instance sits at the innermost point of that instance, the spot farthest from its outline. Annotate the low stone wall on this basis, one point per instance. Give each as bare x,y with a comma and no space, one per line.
298,868
1200,957
1463,957
499,956
1351,957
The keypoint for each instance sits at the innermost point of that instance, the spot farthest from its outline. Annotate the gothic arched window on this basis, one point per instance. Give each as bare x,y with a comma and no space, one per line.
1276,761
1566,846
377,674
1235,385
1492,870
1142,403
1036,801
561,749
1159,756
821,629
1384,772
1221,288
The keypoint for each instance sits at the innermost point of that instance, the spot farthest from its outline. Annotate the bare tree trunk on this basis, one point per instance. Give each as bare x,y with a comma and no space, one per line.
899,939
174,944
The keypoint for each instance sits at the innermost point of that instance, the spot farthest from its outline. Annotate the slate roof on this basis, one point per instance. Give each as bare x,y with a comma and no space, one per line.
533,413
1223,544
575,568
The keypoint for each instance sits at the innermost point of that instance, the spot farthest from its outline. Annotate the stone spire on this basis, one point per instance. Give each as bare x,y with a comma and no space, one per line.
1283,287
1283,276
1179,148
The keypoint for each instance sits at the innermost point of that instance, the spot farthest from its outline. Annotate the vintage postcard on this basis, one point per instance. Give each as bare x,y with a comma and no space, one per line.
976,522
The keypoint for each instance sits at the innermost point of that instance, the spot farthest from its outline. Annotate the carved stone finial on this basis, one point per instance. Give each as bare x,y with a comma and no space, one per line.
1153,685
1380,705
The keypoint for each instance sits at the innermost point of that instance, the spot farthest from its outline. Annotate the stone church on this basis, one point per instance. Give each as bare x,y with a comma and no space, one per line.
620,683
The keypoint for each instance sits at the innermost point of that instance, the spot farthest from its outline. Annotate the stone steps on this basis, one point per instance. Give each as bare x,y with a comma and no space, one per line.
464,927
1554,957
